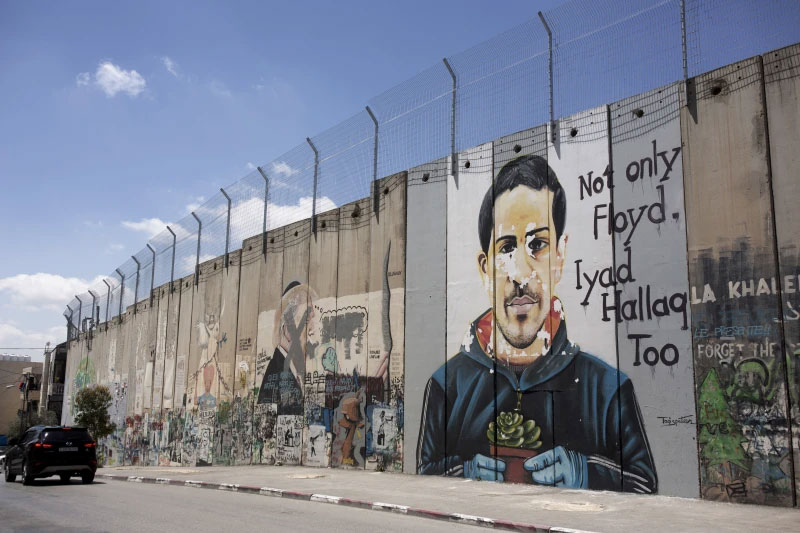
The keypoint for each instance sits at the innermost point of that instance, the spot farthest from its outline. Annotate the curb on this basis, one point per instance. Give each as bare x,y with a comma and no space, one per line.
349,502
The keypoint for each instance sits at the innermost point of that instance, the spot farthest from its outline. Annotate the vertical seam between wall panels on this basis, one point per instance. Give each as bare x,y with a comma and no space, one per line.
688,95
610,168
776,256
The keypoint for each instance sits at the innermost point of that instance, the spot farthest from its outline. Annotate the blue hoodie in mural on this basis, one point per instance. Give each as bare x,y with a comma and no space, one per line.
587,411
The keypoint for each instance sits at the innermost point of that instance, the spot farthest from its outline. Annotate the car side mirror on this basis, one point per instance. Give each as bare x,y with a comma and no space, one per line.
13,441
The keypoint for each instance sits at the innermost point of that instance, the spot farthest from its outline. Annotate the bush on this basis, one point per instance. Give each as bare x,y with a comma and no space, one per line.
91,405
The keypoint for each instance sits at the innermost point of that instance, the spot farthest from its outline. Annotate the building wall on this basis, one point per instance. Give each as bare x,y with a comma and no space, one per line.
10,396
605,302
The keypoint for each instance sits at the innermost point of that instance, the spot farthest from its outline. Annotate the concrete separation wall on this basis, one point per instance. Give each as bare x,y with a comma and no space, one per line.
605,302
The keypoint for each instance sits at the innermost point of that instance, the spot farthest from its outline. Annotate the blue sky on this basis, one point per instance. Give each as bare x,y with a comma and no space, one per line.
115,114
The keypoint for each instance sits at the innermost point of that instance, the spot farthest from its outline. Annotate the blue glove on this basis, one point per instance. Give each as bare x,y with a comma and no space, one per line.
486,468
559,467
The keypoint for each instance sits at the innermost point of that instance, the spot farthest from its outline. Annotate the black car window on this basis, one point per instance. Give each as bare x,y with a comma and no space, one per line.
59,435
29,436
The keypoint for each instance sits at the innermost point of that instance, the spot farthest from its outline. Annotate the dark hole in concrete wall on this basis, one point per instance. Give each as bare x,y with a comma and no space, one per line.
573,132
638,113
517,148
466,165
426,177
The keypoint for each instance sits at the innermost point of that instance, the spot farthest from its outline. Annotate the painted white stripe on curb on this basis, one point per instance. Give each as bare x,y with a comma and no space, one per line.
568,530
233,487
162,480
266,491
193,483
135,479
472,519
325,498
380,506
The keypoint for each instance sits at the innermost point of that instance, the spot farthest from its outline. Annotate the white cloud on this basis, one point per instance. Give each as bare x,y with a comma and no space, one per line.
113,80
43,291
193,205
218,88
150,226
283,169
171,66
13,337
250,166
83,79
114,247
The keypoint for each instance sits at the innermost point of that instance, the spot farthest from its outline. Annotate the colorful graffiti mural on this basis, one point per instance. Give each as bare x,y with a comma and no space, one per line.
605,302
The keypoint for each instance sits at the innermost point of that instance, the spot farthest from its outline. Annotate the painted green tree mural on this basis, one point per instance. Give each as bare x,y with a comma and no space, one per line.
720,436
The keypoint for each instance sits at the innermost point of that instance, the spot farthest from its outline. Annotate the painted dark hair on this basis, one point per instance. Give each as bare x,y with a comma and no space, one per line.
531,171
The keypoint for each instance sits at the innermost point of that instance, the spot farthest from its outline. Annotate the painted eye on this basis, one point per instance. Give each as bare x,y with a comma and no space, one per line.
507,248
536,245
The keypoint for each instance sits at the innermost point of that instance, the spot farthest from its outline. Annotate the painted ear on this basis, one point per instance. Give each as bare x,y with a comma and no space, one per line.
482,264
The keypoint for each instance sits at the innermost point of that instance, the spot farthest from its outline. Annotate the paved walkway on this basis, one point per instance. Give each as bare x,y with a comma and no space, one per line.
508,506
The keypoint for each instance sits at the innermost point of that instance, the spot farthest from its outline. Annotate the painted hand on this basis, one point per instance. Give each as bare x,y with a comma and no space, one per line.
559,467
485,468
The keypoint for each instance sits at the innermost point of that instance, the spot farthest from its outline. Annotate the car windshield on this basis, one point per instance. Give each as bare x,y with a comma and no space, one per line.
63,435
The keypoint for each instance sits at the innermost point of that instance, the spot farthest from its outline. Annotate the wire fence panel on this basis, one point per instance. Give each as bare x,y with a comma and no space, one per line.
721,32
502,85
579,55
607,50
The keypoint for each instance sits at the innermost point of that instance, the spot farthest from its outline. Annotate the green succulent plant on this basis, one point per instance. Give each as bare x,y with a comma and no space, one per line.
510,430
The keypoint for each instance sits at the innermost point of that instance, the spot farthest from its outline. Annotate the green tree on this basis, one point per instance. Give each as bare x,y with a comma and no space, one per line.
50,418
720,436
91,405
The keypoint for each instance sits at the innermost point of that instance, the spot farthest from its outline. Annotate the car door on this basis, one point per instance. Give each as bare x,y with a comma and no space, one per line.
15,454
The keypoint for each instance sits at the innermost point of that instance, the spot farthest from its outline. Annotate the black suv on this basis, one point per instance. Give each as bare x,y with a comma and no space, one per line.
45,451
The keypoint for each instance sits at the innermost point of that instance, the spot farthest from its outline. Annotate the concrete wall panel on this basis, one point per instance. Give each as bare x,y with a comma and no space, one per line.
385,364
653,311
426,302
347,393
321,337
226,357
782,87
246,332
739,365
265,409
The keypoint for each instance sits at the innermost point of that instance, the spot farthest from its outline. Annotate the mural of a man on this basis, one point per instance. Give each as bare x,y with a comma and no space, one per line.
207,400
296,327
592,431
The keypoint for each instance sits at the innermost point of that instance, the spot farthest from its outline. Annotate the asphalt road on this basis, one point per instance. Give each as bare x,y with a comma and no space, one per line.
118,506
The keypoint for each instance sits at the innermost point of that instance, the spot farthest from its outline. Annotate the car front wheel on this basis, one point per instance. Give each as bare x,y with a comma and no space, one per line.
9,476
27,478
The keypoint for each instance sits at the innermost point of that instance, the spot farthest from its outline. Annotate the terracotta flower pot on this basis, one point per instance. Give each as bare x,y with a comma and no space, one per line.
514,458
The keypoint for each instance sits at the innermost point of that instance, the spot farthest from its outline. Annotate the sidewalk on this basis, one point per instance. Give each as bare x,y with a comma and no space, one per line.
547,508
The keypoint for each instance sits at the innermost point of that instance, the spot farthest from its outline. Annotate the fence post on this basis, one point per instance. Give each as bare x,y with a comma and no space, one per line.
136,288
152,272
453,163
266,201
80,314
172,269
108,298
70,324
227,226
550,74
684,53
94,304
316,175
121,293
375,194
197,260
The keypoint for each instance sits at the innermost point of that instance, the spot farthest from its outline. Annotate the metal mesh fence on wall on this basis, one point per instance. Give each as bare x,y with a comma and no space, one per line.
579,55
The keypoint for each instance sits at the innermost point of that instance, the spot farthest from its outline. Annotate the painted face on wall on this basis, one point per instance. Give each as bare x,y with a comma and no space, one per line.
523,264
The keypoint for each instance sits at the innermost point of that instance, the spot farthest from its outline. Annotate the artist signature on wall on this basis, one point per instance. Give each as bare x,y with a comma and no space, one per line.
670,421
